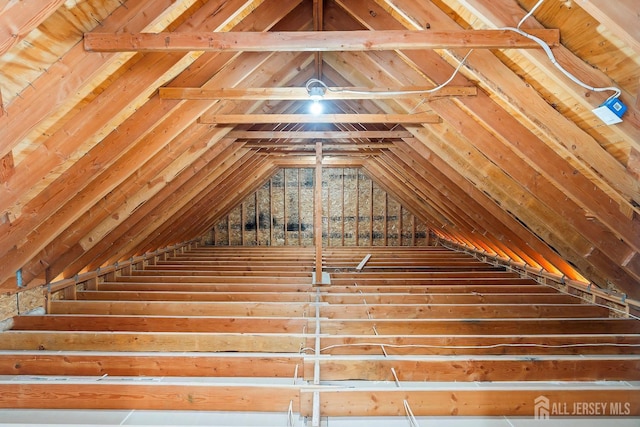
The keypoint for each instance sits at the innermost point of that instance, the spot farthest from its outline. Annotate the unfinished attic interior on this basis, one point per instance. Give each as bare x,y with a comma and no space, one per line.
453,238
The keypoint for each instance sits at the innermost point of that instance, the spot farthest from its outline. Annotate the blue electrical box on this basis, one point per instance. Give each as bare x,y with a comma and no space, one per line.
611,111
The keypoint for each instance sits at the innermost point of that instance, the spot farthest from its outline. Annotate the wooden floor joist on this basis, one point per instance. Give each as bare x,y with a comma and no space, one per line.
248,317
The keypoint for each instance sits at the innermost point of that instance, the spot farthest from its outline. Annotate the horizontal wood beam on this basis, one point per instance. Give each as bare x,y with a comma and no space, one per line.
314,41
333,298
502,368
475,311
152,341
159,396
369,368
152,365
463,345
204,287
255,324
366,134
301,93
175,308
124,323
421,118
333,149
481,401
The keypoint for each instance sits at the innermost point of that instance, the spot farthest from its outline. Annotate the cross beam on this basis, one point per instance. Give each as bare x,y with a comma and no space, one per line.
314,41
300,93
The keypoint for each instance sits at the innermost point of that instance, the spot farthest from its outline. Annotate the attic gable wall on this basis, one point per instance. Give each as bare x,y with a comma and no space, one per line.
356,212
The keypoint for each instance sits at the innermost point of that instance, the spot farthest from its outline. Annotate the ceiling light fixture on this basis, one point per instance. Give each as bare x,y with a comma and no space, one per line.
316,93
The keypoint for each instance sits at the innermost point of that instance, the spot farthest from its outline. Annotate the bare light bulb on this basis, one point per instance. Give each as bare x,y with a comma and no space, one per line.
315,108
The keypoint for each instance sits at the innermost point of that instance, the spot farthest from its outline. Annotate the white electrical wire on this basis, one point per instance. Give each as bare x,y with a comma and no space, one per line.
542,43
312,82
552,57
412,419
480,347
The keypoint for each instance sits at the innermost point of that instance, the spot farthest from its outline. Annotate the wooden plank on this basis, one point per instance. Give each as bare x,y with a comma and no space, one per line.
512,327
124,323
202,296
443,311
504,368
451,286
152,365
475,402
465,345
320,135
257,324
217,279
444,298
301,93
203,287
132,395
159,308
317,215
312,41
152,341
421,118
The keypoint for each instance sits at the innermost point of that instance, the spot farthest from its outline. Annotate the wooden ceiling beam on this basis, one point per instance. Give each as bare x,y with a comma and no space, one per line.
310,134
301,93
322,118
314,41
346,147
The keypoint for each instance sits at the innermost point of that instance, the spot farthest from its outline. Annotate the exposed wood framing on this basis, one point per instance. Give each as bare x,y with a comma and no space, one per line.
302,41
321,118
299,93
245,313
319,135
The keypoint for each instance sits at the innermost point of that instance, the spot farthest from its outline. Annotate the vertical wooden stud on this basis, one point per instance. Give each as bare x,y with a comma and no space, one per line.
342,206
357,224
270,211
284,207
371,215
385,220
317,217
400,229
299,211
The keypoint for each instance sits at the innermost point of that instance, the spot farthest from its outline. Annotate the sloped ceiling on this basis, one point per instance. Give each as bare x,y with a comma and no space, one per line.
97,166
